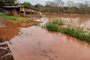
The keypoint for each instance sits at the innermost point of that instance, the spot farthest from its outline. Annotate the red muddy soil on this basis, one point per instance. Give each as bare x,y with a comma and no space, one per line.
12,29
7,33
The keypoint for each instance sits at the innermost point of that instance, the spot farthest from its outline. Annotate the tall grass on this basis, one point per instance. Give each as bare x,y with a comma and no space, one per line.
54,25
76,32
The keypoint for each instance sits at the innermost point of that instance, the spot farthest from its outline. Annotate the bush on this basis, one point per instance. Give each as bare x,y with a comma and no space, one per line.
52,27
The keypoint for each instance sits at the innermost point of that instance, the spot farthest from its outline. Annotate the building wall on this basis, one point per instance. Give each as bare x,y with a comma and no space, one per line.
23,11
13,11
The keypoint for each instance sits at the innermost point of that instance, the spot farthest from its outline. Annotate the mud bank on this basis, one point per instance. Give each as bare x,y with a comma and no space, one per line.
7,33
11,29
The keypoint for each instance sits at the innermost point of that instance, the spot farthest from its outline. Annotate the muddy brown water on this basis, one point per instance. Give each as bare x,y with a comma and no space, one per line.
36,43
83,20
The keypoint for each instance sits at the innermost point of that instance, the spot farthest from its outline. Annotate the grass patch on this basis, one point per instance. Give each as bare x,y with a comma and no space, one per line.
76,32
16,19
54,25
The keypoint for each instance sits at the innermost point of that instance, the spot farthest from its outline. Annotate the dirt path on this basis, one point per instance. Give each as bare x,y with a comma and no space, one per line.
35,43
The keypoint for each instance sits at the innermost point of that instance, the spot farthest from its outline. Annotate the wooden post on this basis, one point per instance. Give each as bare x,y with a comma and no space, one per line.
24,11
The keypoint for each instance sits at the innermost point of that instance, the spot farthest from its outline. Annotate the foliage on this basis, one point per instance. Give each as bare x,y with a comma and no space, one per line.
69,7
1,3
16,19
72,31
55,3
7,2
27,4
52,27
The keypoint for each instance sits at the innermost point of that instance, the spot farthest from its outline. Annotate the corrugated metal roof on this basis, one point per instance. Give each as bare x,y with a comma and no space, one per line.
11,6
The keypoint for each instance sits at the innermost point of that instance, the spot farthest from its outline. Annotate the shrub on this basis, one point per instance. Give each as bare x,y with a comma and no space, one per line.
52,27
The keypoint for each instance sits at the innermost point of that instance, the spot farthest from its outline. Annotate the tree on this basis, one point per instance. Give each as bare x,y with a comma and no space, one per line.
59,3
84,8
38,5
27,4
49,3
7,2
10,2
70,3
55,3
1,3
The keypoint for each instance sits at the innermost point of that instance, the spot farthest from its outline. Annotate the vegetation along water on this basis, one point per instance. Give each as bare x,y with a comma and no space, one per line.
78,32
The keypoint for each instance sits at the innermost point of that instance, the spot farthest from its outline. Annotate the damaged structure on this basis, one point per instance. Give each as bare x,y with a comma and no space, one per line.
21,10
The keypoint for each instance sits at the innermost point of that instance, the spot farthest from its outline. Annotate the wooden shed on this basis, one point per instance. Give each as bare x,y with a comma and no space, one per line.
12,10
21,10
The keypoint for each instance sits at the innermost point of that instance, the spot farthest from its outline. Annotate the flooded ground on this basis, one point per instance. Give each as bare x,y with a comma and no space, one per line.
8,33
82,20
35,43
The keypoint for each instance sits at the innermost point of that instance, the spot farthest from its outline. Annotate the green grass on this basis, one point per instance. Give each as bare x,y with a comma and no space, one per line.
76,32
16,19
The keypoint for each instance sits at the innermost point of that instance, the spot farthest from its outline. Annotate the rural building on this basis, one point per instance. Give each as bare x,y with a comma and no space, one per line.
21,10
